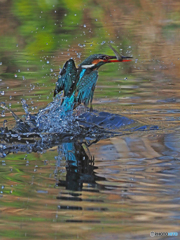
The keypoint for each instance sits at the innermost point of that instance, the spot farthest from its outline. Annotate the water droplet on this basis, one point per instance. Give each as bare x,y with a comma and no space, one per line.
3,163
5,124
81,45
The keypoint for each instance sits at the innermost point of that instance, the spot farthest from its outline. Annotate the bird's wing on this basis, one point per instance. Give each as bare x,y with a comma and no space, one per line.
66,78
85,88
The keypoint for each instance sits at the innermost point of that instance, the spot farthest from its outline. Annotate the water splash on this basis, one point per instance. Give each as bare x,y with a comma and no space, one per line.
60,123
57,117
3,105
25,106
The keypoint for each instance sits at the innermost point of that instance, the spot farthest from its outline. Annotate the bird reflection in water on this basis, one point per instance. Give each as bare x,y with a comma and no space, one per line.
79,167
80,170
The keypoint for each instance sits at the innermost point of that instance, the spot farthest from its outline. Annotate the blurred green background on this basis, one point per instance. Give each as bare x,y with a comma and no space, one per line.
41,35
37,37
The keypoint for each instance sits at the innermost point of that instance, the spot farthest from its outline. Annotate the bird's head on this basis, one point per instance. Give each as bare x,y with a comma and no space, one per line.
97,60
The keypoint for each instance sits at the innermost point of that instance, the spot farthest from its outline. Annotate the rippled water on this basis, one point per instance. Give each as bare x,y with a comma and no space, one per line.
121,187
108,174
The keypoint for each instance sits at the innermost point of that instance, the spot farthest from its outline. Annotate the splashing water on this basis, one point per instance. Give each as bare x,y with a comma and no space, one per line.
59,122
57,117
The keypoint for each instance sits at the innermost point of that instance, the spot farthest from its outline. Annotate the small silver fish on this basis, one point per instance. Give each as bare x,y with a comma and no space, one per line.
118,55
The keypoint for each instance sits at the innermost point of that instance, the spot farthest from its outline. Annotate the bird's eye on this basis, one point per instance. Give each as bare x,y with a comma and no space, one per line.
103,57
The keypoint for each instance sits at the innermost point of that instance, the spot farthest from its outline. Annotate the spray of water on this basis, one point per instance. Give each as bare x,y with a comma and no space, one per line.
54,118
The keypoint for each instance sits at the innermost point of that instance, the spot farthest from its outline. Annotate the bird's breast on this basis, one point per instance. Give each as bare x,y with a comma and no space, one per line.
82,73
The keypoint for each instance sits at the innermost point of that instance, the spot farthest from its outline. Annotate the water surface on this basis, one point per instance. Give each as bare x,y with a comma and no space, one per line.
120,178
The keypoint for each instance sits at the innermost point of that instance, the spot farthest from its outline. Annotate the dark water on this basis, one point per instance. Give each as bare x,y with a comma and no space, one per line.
109,174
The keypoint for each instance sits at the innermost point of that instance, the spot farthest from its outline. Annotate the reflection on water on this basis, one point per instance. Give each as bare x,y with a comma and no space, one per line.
79,167
118,178
126,182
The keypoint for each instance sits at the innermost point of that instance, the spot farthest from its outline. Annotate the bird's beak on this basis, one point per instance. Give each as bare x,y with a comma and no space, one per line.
118,59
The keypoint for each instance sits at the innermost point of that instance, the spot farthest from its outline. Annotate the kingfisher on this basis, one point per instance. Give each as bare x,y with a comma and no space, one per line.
79,83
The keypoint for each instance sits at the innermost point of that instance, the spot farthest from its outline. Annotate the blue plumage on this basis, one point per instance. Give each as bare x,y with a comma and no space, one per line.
79,83
67,78
85,88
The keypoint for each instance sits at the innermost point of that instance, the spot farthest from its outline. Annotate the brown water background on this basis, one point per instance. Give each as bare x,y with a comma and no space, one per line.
136,187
